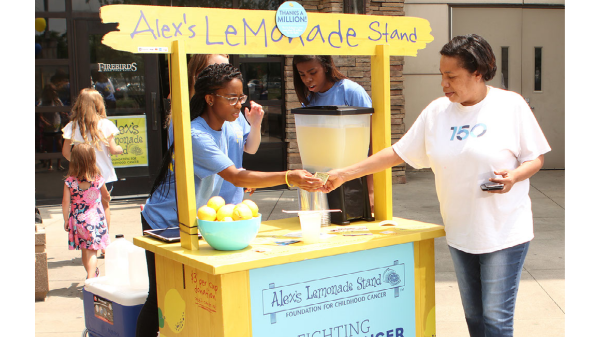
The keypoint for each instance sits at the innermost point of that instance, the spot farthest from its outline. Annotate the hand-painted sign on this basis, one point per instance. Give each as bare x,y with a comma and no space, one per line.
151,29
133,139
366,293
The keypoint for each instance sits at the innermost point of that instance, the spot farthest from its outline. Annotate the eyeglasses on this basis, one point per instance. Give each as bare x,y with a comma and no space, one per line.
234,100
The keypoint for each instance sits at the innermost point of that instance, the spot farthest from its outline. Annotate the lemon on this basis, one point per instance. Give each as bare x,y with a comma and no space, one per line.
225,211
242,212
216,203
252,205
207,213
227,219
174,310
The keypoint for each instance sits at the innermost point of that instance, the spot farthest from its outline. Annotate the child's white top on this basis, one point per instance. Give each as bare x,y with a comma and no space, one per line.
103,161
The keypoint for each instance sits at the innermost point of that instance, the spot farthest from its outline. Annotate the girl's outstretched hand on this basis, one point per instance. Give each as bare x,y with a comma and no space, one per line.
305,180
255,114
250,190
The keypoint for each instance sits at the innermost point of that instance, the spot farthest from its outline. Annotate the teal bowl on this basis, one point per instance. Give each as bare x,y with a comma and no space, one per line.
229,235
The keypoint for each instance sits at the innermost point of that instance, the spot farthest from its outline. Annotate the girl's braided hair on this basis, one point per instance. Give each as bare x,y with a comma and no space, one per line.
212,78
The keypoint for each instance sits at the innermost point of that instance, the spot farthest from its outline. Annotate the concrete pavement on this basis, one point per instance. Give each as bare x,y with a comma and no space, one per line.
540,303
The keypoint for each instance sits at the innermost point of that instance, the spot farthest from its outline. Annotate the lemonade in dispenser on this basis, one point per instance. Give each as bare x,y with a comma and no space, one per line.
331,137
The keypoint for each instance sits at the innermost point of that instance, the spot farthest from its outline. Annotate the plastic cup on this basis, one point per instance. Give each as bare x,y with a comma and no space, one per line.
310,223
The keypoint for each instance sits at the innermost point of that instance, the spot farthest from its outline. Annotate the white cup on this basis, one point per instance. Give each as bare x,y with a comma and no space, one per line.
310,222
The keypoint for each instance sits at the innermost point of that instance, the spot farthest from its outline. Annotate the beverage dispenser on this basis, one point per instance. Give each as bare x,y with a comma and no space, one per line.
331,137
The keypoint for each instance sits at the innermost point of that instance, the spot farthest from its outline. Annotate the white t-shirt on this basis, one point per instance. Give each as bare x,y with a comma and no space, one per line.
464,145
103,161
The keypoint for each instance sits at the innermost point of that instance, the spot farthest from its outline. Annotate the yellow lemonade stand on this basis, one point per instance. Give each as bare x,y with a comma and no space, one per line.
376,282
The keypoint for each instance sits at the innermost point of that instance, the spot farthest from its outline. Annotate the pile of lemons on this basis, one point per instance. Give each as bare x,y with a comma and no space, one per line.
217,210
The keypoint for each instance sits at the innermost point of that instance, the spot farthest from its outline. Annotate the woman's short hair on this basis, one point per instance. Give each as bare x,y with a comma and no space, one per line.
474,53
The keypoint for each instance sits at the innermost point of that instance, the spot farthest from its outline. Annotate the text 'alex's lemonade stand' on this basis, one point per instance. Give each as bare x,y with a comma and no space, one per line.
380,284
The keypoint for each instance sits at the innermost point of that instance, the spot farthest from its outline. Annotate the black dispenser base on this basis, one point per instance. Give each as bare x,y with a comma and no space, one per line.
353,199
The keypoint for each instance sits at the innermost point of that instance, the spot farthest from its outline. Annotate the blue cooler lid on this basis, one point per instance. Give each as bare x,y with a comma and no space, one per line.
333,110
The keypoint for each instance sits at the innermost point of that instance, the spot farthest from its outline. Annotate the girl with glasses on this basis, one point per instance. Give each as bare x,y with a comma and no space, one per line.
212,115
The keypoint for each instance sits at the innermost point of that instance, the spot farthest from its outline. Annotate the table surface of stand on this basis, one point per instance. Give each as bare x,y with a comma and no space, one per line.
263,251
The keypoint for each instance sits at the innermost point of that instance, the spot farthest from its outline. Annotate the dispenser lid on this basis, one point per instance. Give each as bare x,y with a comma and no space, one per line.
333,110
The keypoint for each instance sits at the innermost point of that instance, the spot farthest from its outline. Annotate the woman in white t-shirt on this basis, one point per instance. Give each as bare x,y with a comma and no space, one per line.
89,115
474,135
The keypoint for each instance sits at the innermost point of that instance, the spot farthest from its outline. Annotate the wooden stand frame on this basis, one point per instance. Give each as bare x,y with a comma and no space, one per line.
154,29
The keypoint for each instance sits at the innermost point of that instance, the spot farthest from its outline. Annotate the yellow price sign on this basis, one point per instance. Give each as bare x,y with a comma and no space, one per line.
152,29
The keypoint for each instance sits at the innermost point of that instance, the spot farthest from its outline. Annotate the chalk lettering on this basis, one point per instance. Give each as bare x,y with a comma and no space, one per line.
318,31
262,24
191,29
135,30
348,35
376,31
272,31
339,33
165,29
230,31
208,43
177,27
415,34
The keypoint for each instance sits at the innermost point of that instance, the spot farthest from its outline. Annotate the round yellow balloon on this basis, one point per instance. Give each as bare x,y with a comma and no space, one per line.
40,24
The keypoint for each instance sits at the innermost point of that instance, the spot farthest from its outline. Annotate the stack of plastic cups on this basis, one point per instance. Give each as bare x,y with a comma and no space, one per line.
315,201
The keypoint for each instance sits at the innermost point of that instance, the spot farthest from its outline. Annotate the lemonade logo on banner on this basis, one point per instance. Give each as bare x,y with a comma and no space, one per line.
365,293
133,139
152,29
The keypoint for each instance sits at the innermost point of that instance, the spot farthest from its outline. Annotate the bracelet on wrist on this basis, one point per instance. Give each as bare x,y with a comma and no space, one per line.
286,179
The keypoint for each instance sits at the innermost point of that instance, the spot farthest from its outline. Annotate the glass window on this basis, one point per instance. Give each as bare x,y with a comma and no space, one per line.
52,87
354,6
49,5
259,4
197,3
263,80
51,42
537,79
271,129
118,76
94,5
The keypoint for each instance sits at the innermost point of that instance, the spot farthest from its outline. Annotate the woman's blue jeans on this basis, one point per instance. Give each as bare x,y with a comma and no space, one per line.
488,285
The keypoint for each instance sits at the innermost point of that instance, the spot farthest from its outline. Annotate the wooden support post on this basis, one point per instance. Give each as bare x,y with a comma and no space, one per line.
425,288
380,93
184,166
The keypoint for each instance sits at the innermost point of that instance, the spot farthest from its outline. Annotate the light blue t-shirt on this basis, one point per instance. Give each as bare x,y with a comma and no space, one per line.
209,149
343,92
236,141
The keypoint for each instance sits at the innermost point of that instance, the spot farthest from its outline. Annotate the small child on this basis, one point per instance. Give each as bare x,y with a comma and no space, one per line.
84,216
89,124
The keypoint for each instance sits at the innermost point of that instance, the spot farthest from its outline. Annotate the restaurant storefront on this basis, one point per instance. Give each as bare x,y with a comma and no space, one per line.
71,57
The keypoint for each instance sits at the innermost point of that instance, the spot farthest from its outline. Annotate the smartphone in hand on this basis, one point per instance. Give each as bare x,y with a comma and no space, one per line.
491,186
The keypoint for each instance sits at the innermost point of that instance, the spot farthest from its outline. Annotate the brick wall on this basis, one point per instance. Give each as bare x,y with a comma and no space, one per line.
358,69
